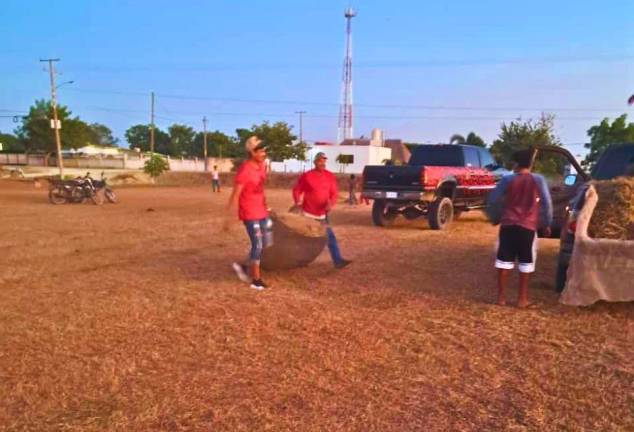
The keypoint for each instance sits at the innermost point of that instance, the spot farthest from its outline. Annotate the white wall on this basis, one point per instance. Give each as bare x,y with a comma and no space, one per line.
363,155
122,161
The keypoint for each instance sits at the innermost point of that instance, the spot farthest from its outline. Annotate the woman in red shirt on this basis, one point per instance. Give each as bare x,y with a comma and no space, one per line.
248,196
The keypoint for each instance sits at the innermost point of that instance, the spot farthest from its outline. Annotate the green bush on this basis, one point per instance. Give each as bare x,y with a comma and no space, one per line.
155,166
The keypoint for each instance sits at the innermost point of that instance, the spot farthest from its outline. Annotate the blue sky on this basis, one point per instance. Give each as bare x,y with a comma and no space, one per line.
422,70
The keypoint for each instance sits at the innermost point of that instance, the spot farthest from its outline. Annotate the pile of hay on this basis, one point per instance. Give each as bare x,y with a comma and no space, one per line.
613,217
300,224
297,241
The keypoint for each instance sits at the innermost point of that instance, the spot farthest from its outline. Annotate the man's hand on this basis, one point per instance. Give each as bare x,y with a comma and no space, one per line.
295,208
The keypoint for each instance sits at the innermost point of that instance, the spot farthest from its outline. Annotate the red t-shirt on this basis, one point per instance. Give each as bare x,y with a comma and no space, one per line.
521,204
320,192
251,204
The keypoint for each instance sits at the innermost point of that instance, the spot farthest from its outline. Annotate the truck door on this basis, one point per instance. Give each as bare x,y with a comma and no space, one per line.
473,192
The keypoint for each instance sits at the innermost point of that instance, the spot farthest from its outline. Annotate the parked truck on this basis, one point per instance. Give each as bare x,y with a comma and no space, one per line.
440,182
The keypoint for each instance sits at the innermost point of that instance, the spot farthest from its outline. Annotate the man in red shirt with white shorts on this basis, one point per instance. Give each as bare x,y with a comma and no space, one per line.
319,190
248,196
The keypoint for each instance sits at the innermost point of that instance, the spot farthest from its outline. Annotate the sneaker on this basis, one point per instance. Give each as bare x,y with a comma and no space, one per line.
241,272
258,285
343,263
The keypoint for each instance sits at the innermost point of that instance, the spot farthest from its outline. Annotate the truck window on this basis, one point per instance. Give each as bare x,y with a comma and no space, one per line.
471,157
486,160
437,155
614,162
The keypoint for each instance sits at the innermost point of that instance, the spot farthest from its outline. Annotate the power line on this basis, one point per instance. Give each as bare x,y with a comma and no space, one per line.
373,64
389,106
292,115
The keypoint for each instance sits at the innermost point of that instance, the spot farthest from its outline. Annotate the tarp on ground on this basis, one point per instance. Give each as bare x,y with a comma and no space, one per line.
297,241
600,269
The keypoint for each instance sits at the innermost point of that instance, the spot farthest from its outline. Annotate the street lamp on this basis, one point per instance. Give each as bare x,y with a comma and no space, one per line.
64,83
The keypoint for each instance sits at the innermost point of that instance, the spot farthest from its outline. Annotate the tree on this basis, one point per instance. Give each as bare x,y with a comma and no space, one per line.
155,165
279,139
457,139
344,160
218,145
35,132
10,144
181,140
605,134
138,136
519,135
474,140
102,135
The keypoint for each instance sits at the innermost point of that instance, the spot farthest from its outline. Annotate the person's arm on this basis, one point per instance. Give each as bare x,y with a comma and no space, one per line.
333,193
232,204
545,202
494,200
298,190
233,199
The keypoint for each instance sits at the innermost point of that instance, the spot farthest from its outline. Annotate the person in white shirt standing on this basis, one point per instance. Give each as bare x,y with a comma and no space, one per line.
215,179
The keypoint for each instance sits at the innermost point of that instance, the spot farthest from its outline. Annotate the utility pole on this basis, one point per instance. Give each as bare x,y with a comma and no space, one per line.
205,142
301,131
56,124
301,125
152,125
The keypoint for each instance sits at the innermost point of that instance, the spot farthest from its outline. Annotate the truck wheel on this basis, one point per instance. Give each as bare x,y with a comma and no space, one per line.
381,214
440,213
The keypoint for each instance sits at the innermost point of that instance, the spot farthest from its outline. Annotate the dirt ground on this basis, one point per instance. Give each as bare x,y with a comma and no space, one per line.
128,317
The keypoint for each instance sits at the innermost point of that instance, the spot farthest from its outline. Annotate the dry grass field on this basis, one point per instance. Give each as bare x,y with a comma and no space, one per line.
128,317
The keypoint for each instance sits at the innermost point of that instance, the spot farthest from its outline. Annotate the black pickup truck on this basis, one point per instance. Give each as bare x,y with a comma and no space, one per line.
439,182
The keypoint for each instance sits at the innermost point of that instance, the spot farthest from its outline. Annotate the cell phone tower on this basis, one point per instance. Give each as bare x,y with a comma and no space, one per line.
345,108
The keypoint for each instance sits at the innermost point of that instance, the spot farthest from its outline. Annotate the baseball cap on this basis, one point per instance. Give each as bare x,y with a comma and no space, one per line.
254,143
320,155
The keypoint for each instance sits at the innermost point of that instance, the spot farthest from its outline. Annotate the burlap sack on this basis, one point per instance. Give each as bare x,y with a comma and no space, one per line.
600,269
297,241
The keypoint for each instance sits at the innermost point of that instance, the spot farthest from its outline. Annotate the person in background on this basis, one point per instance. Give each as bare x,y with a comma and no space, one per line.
318,188
521,204
248,197
352,186
215,179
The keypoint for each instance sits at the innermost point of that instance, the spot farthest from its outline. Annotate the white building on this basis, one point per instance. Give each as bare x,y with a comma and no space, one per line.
356,152
95,150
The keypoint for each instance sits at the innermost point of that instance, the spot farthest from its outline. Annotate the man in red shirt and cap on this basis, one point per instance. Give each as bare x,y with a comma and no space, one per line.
319,190
248,196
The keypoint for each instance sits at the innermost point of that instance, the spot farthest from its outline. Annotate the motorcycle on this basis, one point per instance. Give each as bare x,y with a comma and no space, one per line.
103,184
74,191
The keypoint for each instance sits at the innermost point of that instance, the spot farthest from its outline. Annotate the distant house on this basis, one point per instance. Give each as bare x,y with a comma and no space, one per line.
351,155
356,142
94,150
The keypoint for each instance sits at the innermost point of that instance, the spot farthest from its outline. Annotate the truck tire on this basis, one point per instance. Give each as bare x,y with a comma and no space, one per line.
381,216
440,213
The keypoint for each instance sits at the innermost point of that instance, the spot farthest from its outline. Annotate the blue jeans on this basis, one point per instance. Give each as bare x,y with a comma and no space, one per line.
333,247
255,229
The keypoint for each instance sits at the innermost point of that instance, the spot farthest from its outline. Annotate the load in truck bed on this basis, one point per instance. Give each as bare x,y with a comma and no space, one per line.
600,268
